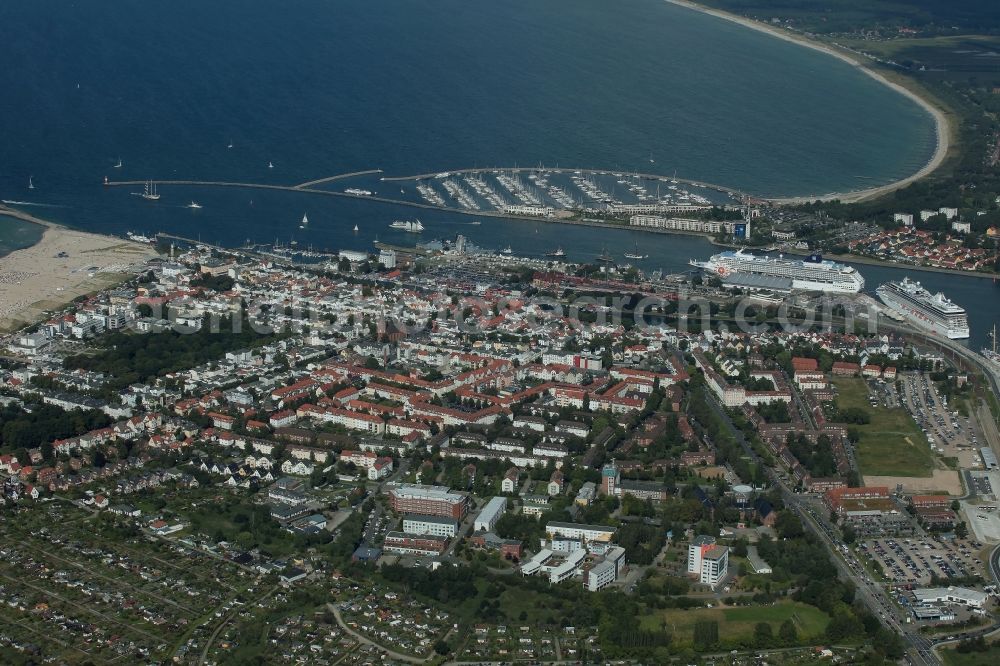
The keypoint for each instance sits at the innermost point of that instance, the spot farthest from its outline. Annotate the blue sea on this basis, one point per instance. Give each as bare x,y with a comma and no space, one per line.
322,87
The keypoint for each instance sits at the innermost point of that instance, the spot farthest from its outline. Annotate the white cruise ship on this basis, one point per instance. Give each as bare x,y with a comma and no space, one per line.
933,312
810,274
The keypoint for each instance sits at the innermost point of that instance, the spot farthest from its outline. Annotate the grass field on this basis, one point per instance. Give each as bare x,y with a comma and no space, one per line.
892,444
989,658
736,624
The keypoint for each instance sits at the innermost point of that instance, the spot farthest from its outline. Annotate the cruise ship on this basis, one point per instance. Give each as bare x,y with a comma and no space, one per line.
810,274
933,312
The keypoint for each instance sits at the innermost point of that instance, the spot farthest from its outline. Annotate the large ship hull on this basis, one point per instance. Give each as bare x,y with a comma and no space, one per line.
920,316
818,275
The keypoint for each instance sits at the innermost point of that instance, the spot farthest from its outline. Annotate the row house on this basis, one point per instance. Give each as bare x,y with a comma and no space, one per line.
403,427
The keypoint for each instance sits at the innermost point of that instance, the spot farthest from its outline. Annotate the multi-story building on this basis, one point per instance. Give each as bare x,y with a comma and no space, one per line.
586,533
606,570
414,544
696,550
714,565
428,500
434,525
490,514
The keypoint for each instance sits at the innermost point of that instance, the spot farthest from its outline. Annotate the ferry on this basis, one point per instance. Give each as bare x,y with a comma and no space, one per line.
358,193
139,238
932,312
810,274
414,227
507,250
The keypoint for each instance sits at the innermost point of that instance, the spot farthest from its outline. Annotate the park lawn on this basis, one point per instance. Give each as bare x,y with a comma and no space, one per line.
892,444
989,658
736,624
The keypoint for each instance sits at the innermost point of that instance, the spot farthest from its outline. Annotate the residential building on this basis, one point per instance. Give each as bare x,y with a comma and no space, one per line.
490,514
413,544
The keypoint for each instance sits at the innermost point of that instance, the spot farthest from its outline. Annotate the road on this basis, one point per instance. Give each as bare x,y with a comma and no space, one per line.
367,641
228,619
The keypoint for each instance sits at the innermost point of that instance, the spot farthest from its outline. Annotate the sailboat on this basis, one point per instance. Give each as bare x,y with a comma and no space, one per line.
270,165
636,254
31,185
992,354
355,228
230,144
305,221
149,192
119,165
606,257
651,160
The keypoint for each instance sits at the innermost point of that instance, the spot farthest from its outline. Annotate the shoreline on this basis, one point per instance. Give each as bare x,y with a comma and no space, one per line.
942,125
63,265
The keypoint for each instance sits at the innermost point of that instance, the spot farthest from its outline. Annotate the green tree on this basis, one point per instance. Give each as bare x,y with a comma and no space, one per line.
706,635
788,634
763,635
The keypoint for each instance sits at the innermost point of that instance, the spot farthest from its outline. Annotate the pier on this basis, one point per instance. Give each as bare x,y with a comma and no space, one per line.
330,179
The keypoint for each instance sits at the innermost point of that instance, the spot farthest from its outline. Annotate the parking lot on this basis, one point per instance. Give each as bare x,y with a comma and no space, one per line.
947,432
983,518
914,561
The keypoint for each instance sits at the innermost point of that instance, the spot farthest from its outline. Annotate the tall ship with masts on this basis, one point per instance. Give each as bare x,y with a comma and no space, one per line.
931,312
149,191
992,354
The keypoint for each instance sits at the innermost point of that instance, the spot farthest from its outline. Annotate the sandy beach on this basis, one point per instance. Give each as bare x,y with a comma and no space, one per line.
942,127
37,278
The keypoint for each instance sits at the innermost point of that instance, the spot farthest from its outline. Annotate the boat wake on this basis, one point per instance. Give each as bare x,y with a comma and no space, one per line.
30,203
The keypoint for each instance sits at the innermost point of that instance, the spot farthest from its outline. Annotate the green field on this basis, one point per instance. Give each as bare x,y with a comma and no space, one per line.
989,658
892,444
736,624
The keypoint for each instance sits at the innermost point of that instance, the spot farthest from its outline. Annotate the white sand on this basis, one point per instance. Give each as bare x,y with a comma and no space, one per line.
35,279
941,125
